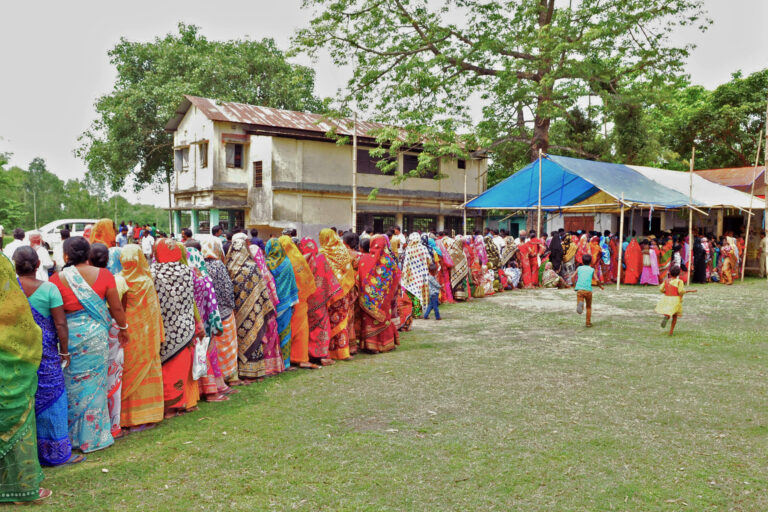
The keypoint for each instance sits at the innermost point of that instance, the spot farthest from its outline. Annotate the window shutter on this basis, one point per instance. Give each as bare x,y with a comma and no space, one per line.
258,178
230,149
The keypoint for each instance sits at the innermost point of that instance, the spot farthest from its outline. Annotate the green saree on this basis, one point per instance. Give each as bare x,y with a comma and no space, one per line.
21,348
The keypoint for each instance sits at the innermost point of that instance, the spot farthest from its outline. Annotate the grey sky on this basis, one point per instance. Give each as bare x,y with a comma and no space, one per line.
54,60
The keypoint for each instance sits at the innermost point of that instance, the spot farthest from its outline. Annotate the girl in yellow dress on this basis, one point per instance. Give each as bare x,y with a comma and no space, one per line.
671,304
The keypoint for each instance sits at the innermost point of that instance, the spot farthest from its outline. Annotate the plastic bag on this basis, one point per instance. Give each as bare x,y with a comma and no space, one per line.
200,358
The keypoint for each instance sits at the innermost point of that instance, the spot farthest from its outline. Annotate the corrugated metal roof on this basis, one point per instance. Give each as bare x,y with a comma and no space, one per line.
736,177
268,117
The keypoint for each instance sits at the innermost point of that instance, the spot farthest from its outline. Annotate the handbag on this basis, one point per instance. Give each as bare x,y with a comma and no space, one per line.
200,359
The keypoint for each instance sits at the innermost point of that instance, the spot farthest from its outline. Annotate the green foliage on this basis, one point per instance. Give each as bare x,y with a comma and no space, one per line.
723,124
56,199
128,137
419,64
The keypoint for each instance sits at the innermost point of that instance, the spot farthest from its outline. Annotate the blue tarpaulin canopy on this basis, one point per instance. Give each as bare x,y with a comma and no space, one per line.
566,181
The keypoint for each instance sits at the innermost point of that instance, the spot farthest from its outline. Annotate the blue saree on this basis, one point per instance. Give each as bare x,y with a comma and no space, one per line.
287,291
86,377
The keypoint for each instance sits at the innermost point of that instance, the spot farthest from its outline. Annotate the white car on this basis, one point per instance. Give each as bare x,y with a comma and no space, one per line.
50,231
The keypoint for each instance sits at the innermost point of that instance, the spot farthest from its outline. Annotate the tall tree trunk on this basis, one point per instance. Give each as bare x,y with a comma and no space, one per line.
540,138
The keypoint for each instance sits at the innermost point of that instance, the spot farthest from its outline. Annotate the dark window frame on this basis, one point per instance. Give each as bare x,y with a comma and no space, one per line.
258,174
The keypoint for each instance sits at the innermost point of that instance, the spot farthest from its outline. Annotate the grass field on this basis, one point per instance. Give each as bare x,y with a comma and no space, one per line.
509,403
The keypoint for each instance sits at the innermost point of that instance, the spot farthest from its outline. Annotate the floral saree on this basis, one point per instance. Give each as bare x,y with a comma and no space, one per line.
379,281
327,287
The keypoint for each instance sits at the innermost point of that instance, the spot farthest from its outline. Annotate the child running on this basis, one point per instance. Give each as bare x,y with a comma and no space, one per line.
584,276
434,293
671,304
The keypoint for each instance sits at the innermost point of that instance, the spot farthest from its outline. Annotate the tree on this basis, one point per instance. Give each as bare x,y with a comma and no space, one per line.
11,209
127,138
723,124
419,63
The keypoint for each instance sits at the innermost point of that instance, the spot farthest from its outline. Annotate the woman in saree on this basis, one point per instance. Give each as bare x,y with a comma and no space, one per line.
21,350
379,277
305,281
596,252
142,394
175,286
352,244
273,360
341,308
446,264
212,385
494,258
99,257
84,289
226,342
103,232
699,261
556,252
613,246
476,277
253,309
288,293
665,261
53,446
415,273
634,262
327,289
550,278
459,270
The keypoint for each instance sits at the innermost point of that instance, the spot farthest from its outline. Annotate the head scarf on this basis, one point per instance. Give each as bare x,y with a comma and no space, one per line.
494,258
304,278
21,349
174,283
460,268
211,248
261,262
327,286
205,293
114,265
379,277
103,232
222,284
338,258
480,250
282,270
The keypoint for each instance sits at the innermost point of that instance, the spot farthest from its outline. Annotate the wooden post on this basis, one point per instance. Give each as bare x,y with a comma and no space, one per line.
464,206
354,175
538,207
690,216
631,219
749,215
621,242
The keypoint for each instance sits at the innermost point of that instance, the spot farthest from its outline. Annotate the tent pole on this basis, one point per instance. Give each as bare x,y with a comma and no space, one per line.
538,213
621,242
749,217
690,216
354,176
464,206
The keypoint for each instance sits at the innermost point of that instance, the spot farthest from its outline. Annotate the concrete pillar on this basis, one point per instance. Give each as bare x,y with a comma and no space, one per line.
719,231
663,221
176,228
399,220
440,222
194,222
214,215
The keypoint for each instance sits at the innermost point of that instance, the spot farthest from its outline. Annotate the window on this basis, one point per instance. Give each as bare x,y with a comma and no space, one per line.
422,224
204,222
181,159
367,164
203,149
462,164
258,176
235,155
411,162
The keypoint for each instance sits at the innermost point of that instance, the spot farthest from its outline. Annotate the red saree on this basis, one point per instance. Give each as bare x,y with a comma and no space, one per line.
634,262
317,313
379,278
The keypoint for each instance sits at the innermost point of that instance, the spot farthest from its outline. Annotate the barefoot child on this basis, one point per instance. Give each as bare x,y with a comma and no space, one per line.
434,293
671,304
584,276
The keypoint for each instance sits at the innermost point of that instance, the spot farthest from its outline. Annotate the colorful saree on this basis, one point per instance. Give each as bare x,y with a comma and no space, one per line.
142,395
305,281
252,310
103,232
446,263
174,283
327,287
53,445
341,308
415,273
379,278
273,359
86,376
20,355
459,270
226,342
287,292
634,262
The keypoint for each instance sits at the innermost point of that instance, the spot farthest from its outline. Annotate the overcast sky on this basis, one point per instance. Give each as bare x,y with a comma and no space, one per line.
54,60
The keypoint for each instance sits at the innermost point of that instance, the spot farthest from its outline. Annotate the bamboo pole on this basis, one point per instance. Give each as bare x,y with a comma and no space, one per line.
621,242
749,217
354,175
690,215
464,206
538,208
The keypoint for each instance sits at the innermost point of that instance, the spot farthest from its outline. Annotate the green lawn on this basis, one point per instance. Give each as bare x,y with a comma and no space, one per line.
509,403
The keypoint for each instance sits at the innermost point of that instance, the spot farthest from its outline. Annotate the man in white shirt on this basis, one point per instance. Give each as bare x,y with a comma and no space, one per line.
46,263
399,235
498,241
367,232
147,243
18,241
130,232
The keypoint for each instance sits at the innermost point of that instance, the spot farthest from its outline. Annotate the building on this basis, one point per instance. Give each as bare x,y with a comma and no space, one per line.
251,166
739,178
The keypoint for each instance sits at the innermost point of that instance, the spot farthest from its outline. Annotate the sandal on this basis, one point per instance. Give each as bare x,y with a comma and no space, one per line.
42,494
75,459
218,398
142,428
236,383
230,391
309,366
327,362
